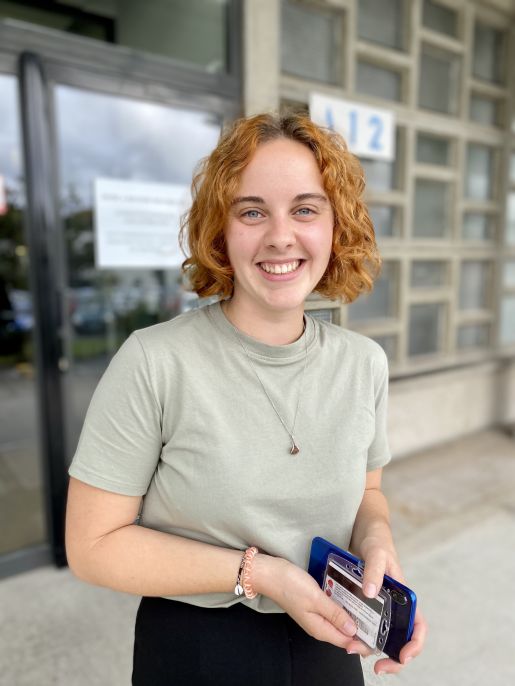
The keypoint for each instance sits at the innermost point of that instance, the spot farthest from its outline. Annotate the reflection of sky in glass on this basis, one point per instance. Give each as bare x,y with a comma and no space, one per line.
103,135
10,149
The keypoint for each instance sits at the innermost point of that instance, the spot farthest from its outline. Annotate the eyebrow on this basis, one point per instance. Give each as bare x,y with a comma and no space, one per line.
298,198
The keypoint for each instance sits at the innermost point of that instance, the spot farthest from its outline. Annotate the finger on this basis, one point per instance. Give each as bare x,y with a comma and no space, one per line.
387,666
359,648
375,567
323,630
416,643
336,616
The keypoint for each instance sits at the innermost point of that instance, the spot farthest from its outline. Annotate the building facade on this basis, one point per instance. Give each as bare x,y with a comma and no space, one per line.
102,99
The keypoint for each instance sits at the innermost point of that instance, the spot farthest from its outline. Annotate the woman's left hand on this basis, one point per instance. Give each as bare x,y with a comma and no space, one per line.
378,562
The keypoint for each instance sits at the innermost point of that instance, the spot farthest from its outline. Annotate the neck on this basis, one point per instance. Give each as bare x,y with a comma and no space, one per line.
272,328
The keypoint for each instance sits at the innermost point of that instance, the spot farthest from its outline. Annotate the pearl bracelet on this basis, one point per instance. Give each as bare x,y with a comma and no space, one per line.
243,585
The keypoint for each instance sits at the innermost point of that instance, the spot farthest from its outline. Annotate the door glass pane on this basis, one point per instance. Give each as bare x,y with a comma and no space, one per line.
21,501
478,226
440,18
509,274
433,150
382,302
439,80
473,336
378,81
431,219
311,42
474,285
382,21
428,274
190,31
489,47
480,168
425,328
507,332
101,136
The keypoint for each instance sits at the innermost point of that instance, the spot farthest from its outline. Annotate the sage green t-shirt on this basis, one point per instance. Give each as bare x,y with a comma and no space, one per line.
180,417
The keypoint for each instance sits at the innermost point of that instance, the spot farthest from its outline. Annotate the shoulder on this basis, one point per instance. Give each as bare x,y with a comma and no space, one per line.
173,335
352,343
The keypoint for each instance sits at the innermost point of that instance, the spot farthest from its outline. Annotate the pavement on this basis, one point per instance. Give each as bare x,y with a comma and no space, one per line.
453,516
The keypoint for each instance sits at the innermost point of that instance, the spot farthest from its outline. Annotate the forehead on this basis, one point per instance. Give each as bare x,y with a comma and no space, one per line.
281,160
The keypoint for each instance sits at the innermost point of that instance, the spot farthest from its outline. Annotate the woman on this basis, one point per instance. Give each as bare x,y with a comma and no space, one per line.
246,425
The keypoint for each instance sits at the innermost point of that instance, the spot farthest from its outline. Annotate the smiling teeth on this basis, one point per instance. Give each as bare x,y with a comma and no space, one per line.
280,268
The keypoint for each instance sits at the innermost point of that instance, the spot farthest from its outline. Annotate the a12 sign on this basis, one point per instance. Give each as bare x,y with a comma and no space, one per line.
369,131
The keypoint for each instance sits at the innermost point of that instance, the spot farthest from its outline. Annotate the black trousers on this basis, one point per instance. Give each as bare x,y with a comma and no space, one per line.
177,644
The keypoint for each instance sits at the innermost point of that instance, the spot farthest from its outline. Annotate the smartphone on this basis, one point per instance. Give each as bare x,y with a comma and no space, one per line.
384,623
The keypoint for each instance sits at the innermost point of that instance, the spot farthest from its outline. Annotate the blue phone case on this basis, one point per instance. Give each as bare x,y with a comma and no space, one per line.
403,615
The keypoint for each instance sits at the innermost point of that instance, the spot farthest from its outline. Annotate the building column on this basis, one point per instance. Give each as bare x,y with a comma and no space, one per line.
261,56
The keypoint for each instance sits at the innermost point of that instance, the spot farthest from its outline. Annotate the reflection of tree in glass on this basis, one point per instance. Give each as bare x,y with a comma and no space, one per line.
13,266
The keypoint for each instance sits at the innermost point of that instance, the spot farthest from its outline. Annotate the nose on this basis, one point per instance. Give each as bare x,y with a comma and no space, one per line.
280,233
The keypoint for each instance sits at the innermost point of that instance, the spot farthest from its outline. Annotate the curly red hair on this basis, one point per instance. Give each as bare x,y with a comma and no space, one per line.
354,262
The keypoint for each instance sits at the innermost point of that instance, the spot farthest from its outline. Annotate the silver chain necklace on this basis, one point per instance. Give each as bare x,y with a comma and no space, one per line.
294,449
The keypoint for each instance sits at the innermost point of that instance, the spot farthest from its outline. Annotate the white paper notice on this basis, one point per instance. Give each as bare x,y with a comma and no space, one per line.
137,224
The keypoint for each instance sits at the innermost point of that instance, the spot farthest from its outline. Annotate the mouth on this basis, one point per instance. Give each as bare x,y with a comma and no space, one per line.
280,268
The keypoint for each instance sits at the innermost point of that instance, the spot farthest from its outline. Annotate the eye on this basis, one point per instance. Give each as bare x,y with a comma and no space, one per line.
305,211
251,214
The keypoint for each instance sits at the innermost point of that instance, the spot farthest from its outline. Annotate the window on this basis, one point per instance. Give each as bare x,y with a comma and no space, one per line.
479,172
489,53
431,212
389,344
512,168
473,336
378,82
507,330
509,274
510,219
474,285
433,150
439,80
478,226
425,328
439,18
385,219
485,110
428,274
311,43
381,303
382,21
381,175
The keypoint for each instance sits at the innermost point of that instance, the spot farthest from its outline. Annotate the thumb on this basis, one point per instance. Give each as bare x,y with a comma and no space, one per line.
375,567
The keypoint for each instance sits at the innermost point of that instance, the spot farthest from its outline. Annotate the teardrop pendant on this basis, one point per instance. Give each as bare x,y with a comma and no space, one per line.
294,448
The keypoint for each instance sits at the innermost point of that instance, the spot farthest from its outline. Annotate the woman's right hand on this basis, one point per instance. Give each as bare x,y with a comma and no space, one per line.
298,594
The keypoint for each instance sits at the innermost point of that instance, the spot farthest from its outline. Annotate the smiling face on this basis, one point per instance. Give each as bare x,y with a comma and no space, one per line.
279,230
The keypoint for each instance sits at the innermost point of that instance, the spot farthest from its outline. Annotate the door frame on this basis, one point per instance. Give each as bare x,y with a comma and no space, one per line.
43,59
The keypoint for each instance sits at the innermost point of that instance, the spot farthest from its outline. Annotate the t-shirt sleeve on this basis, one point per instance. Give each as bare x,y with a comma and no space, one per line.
379,451
120,443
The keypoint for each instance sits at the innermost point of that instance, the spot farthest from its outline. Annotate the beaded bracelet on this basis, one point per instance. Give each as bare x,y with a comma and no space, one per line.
243,584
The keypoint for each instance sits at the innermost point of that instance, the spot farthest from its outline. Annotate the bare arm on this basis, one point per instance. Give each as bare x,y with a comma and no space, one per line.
106,548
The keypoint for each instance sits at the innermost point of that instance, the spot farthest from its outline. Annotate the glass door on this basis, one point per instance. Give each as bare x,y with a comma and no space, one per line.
122,274
22,509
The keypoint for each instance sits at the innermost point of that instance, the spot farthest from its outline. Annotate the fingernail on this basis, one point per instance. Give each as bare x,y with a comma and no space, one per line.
351,652
370,590
350,628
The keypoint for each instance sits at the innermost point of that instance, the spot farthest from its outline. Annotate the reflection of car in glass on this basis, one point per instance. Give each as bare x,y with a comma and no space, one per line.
15,319
89,314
